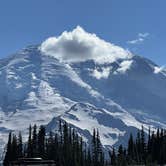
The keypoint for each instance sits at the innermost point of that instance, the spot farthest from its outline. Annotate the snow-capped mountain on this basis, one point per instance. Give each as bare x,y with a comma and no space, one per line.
85,117
85,81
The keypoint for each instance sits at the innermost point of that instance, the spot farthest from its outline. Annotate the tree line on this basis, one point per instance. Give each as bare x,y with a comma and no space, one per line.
145,149
67,148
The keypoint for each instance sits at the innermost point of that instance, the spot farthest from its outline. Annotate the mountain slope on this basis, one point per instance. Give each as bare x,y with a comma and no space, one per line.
85,117
78,77
139,89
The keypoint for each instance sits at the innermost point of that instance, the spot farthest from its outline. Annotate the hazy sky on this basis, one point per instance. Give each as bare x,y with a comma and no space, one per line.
138,25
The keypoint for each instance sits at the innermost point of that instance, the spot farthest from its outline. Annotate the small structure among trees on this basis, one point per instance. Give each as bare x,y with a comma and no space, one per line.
32,162
65,148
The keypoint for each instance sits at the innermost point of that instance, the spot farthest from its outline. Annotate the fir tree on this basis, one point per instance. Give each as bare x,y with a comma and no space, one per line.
20,146
30,146
14,150
138,148
100,157
8,155
113,157
143,146
41,142
120,156
34,142
131,150
94,148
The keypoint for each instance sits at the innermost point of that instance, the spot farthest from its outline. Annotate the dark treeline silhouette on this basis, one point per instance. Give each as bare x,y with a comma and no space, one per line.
67,148
143,150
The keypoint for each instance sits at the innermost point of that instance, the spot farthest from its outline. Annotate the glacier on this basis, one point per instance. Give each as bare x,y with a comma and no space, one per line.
108,88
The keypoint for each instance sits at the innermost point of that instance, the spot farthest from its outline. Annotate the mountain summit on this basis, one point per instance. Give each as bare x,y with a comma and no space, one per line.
85,81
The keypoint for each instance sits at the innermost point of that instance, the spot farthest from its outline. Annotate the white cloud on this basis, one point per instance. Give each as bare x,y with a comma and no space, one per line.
143,35
124,66
136,41
101,73
140,38
79,45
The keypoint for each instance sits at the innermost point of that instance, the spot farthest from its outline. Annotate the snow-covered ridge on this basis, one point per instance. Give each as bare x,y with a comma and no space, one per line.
117,96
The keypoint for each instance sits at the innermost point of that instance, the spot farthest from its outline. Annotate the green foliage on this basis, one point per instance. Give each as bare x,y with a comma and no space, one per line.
8,156
97,154
67,148
142,150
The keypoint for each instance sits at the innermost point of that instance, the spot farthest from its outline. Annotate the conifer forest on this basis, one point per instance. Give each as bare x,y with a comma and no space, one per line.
67,148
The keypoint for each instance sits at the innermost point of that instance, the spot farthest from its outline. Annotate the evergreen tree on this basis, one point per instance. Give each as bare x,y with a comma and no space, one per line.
30,146
34,142
60,130
121,157
113,157
8,155
100,156
14,150
97,154
149,148
41,142
138,148
94,148
143,146
154,148
89,158
20,146
131,150
65,144
50,147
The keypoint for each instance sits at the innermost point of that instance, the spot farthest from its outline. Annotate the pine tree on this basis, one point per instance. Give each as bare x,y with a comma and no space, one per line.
74,153
30,146
65,143
158,145
161,148
60,131
120,156
154,148
14,150
89,158
20,146
97,154
143,146
94,148
113,157
131,150
149,148
8,155
100,157
50,147
41,142
34,142
138,148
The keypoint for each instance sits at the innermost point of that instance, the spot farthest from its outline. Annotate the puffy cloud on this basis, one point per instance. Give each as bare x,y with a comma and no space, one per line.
79,45
140,38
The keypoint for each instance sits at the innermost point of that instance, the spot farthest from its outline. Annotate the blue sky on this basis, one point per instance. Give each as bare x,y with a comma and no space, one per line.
138,25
